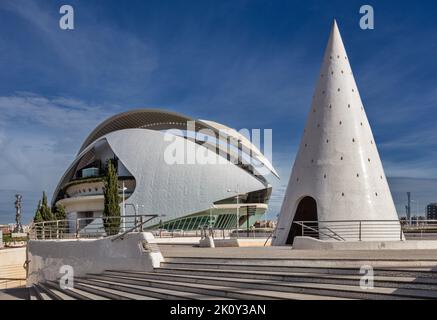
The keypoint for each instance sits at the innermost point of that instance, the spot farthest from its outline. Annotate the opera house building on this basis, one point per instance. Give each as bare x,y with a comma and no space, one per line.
228,172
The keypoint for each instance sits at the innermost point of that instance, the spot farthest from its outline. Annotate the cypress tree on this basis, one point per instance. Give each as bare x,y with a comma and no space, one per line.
38,218
59,212
112,208
46,212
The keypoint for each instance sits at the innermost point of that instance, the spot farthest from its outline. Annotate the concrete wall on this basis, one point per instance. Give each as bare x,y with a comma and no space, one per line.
136,251
12,271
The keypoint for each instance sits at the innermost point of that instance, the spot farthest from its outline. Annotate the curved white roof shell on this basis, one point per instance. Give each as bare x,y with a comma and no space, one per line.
155,119
175,189
138,139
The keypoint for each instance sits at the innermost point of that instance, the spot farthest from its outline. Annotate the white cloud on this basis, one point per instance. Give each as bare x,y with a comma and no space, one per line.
39,137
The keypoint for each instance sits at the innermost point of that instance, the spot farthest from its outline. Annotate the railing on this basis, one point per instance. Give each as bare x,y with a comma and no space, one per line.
96,227
92,227
350,230
420,229
214,232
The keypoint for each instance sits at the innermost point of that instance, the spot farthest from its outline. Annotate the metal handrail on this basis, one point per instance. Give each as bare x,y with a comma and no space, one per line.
135,227
318,231
74,228
354,229
335,233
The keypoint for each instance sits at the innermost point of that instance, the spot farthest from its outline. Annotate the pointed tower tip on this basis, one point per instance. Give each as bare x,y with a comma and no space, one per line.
335,37
334,24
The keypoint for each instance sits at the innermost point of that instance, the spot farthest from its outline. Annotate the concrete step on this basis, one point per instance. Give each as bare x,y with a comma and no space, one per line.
85,295
56,293
401,272
313,262
215,286
109,293
396,281
152,293
50,290
323,288
44,293
74,292
32,294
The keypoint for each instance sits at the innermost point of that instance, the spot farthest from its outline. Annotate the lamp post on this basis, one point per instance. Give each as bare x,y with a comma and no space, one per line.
417,205
238,206
136,207
123,210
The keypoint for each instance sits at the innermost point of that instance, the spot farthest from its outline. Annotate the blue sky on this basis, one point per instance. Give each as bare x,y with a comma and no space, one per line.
247,64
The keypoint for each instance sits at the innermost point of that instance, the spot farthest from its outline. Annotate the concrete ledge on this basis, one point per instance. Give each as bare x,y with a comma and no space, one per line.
136,251
308,243
178,240
241,242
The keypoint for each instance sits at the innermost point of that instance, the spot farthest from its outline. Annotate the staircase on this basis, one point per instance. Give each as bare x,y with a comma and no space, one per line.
232,278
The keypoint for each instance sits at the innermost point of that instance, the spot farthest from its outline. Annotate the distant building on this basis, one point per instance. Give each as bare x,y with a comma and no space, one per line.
5,229
431,211
265,224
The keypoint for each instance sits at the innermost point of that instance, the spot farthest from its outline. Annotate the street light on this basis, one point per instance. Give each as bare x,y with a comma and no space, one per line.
238,206
417,202
136,207
123,189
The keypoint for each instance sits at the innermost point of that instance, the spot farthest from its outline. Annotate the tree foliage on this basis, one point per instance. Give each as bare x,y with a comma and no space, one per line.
59,212
111,211
43,211
38,218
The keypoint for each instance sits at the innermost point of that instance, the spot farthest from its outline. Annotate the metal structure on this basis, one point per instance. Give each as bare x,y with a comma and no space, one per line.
357,230
94,228
89,227
18,227
337,174
408,207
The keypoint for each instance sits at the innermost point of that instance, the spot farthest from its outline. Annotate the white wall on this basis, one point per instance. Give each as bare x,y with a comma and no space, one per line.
137,251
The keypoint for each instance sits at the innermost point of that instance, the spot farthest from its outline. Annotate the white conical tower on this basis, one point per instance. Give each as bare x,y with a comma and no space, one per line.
337,174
